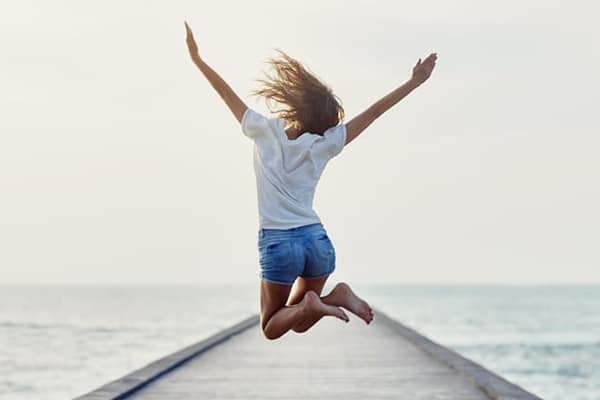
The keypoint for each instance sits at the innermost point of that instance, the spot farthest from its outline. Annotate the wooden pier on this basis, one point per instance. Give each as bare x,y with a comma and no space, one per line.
333,360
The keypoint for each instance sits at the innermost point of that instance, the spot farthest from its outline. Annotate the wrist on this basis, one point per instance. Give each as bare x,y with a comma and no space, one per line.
197,60
413,83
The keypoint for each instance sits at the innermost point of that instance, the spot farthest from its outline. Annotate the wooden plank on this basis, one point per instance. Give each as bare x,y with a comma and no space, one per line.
495,386
332,360
385,360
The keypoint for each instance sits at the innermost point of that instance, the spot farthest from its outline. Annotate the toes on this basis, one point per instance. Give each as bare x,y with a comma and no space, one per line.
368,315
342,315
345,317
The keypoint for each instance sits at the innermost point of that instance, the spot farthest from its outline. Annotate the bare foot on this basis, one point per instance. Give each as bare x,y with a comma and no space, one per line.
343,296
313,306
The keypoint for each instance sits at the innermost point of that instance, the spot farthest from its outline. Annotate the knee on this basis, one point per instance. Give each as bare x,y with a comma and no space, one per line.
269,336
267,333
300,330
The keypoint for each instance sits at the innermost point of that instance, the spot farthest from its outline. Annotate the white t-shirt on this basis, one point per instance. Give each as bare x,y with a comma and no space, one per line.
287,171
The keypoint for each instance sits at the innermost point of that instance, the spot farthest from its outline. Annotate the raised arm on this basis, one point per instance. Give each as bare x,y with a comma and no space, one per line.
235,104
421,72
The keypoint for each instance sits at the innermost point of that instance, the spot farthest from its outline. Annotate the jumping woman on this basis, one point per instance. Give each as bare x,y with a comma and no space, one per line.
290,154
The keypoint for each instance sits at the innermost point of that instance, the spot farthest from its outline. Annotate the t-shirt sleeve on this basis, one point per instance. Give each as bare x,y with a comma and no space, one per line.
254,124
334,140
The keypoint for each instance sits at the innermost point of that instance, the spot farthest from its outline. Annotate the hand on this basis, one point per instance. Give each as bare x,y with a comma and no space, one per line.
191,43
422,70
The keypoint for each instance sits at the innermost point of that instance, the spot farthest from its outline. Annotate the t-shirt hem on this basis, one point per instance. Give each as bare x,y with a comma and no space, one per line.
288,225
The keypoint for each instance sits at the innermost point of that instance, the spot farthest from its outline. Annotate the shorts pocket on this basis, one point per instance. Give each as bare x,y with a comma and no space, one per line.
276,255
326,251
277,262
278,251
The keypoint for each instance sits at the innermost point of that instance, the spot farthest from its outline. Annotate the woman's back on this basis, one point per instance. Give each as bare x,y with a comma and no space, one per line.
287,171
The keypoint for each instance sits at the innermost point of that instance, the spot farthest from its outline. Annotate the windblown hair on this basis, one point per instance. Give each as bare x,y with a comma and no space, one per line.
298,97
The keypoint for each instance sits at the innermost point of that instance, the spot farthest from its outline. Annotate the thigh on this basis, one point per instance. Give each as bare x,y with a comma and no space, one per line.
303,285
320,256
273,296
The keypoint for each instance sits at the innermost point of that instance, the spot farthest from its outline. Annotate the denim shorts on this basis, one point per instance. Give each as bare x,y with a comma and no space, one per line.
286,254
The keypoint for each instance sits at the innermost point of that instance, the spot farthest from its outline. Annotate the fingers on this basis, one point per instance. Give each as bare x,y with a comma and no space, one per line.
433,57
188,30
429,60
189,36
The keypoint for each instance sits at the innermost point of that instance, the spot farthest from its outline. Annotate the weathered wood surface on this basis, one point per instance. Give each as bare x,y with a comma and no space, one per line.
384,360
122,387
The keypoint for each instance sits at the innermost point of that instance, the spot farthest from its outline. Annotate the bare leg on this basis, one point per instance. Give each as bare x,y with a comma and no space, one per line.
303,285
341,296
300,288
277,318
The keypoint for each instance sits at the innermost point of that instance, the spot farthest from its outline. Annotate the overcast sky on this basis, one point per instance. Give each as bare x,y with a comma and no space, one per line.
120,164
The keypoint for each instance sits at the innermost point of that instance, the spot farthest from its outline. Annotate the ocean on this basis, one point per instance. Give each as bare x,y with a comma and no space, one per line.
59,342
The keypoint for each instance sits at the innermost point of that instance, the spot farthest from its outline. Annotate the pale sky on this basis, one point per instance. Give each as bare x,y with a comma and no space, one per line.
120,164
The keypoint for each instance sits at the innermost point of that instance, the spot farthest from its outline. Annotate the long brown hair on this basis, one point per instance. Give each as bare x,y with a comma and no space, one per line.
299,97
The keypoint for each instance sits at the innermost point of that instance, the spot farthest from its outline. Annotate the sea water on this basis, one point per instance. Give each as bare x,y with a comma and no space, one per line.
60,342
